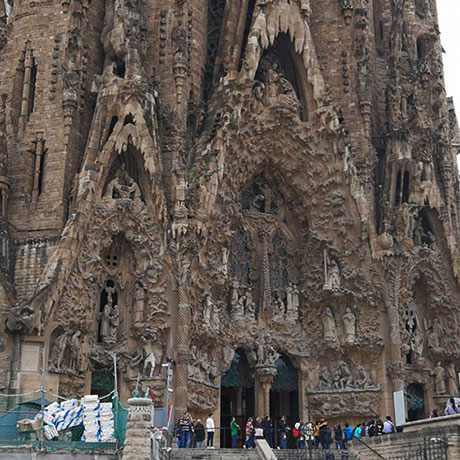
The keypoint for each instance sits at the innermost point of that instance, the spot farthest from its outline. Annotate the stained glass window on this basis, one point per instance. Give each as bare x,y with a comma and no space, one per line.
279,264
240,259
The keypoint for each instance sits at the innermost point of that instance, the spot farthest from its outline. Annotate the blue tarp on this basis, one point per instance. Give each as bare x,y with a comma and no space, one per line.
8,421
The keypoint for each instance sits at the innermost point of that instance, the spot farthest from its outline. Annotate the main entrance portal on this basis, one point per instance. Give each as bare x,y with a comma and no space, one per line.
241,391
237,397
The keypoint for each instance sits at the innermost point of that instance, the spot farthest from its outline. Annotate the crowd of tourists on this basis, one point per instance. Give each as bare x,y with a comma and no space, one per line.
193,433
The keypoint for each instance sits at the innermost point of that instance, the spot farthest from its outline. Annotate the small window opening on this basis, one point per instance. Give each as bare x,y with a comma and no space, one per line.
405,191
120,68
33,83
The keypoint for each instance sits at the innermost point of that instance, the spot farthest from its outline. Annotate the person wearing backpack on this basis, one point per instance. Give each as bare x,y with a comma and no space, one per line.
388,426
347,434
199,434
295,433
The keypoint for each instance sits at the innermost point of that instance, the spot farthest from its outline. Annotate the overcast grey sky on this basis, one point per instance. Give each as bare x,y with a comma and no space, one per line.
449,24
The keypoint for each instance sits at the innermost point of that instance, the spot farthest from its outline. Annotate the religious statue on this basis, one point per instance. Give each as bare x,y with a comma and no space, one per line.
59,349
292,303
452,382
349,323
225,255
123,187
75,348
329,326
139,303
250,309
435,335
114,323
105,322
240,306
149,358
439,374
207,310
332,281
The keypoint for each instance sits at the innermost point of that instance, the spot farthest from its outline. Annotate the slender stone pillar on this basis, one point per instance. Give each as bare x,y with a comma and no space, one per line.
264,382
140,420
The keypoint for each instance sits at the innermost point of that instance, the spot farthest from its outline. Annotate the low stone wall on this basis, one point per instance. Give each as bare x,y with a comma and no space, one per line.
394,445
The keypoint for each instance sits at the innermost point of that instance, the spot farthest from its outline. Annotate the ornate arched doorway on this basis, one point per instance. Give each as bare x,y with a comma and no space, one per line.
237,396
284,395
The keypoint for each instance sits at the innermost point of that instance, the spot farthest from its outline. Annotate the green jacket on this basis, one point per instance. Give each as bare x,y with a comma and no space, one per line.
233,428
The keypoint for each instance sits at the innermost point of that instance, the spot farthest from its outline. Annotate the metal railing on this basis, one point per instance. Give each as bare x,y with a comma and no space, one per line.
433,448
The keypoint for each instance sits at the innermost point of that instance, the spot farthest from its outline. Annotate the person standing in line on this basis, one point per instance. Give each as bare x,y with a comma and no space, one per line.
389,426
199,434
357,432
316,434
282,430
338,437
210,428
378,427
322,432
234,428
192,432
347,434
268,430
249,434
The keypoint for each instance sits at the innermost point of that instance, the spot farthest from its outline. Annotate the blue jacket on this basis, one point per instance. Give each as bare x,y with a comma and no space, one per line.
348,432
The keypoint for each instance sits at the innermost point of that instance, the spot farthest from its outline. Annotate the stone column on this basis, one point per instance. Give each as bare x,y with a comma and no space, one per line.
140,420
182,337
264,381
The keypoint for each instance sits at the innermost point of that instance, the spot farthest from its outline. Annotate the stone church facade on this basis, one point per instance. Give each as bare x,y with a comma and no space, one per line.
265,191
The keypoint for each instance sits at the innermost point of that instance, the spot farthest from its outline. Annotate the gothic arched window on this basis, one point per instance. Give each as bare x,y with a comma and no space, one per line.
240,259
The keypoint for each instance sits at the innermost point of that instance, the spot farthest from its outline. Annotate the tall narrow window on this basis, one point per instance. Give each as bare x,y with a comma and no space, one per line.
33,83
39,168
398,189
216,11
405,191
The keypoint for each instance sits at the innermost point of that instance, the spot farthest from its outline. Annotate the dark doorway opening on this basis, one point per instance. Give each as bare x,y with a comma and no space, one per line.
415,402
284,396
237,398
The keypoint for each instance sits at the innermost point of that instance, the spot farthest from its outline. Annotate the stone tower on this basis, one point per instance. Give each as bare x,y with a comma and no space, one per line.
265,191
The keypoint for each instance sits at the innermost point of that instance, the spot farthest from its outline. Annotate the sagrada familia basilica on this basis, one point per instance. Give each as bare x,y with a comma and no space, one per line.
264,192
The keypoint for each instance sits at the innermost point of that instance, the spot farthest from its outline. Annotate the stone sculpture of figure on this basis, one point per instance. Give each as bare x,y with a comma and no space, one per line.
149,358
59,349
346,376
332,280
452,382
434,338
329,326
292,303
250,309
324,379
225,255
139,302
439,374
240,306
279,309
215,320
123,187
207,311
363,378
75,347
295,298
258,92
105,321
289,296
349,323
114,323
